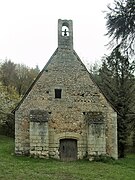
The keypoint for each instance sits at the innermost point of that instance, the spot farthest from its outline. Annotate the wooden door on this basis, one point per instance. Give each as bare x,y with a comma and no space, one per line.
68,149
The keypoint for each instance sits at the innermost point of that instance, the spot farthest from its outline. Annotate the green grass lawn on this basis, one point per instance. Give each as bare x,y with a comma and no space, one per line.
26,168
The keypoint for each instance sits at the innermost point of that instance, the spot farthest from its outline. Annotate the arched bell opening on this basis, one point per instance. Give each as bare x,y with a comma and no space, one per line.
65,30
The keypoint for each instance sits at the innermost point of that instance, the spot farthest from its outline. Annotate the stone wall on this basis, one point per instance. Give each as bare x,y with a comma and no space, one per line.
66,115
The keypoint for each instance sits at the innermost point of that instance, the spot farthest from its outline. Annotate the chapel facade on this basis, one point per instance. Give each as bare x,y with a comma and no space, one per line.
64,114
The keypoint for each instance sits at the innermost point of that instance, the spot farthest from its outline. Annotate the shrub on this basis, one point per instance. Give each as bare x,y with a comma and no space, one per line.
7,127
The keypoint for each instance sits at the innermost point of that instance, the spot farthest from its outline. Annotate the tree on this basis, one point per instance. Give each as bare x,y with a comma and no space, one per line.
14,81
7,73
121,24
94,71
118,82
24,77
17,75
8,100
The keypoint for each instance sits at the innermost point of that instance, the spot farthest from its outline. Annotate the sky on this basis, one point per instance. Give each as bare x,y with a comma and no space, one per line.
28,29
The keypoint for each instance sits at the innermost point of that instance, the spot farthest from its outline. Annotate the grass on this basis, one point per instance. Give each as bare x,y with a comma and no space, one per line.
26,168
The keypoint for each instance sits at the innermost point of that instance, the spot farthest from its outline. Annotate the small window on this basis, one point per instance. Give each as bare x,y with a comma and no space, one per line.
58,93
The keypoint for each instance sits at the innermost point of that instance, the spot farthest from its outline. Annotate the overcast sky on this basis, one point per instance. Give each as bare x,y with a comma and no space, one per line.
28,29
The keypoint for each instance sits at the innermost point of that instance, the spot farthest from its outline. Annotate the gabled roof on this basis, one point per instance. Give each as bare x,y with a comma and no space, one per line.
92,78
34,82
45,67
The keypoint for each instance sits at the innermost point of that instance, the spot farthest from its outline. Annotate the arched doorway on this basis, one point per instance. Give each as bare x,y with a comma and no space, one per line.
68,149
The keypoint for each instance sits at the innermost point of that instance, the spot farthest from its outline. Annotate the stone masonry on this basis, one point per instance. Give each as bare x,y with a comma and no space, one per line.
64,114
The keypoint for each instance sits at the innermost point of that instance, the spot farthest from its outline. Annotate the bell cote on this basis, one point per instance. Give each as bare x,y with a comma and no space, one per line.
65,34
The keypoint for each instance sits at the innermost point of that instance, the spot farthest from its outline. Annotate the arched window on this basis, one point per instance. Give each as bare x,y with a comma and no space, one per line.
65,30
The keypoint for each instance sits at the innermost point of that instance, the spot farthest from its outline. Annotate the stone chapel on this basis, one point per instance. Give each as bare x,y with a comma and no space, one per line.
64,115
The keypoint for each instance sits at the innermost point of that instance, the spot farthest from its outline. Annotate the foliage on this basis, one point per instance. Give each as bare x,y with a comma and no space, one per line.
117,74
8,126
17,75
25,76
101,158
121,23
9,99
121,29
15,79
118,82
134,141
12,167
7,73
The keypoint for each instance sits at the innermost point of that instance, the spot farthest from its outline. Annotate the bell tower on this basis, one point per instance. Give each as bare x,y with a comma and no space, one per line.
65,34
